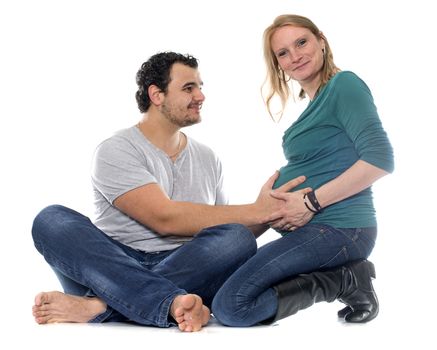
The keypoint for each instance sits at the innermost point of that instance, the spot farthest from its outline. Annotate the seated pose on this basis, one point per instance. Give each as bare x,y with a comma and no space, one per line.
339,144
164,240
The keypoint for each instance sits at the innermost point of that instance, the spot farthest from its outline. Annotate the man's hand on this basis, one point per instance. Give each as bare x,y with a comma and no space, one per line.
293,213
288,186
267,204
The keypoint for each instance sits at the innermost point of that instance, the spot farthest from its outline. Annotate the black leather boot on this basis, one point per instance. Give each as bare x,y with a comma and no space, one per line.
359,295
351,284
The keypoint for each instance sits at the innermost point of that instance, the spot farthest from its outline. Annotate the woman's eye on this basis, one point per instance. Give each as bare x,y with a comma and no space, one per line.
301,42
281,53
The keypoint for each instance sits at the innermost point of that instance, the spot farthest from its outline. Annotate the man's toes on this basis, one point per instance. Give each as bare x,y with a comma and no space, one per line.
195,328
189,301
40,313
41,298
179,319
43,319
206,315
44,307
182,326
188,328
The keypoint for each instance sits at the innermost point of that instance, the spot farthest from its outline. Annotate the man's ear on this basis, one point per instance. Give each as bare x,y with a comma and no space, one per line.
155,94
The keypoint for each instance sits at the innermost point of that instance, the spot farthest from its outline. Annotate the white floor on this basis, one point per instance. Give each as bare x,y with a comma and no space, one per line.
313,329
399,324
405,285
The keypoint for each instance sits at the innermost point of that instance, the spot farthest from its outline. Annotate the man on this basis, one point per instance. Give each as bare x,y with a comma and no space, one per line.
164,240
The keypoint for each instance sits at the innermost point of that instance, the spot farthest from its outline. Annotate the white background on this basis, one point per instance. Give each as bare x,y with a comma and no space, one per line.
67,81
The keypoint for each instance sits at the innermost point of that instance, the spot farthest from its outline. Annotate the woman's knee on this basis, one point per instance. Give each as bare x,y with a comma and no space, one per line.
226,311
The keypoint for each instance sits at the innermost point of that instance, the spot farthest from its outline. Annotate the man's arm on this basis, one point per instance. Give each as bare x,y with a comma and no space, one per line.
150,206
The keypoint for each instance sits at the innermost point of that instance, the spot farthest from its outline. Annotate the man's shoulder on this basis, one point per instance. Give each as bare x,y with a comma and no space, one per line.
199,145
201,148
121,137
117,145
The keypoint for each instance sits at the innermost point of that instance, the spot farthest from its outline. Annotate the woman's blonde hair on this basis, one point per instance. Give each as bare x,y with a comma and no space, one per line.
276,78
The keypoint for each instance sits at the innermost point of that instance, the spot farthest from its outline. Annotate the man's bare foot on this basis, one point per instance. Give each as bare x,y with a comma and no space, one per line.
52,307
189,312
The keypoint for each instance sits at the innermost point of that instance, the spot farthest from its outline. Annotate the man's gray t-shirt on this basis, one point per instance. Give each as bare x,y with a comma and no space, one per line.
127,161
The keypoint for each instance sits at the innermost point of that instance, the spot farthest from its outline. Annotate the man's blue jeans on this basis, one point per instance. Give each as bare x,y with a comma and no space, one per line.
137,286
248,298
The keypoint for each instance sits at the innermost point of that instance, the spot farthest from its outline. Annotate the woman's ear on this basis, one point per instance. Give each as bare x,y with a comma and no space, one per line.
322,41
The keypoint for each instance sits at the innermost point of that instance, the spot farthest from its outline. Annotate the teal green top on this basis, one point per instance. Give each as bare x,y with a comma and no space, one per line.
339,127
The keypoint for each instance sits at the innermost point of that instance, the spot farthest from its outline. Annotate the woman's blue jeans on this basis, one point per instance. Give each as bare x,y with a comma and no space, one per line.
248,298
137,286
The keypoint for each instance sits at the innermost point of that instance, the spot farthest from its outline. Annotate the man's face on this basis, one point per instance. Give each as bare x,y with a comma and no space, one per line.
184,97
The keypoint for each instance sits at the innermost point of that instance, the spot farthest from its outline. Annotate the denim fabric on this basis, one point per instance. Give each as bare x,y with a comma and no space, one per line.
136,286
248,298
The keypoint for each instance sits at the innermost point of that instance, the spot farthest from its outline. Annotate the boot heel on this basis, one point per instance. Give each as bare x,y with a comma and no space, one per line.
371,268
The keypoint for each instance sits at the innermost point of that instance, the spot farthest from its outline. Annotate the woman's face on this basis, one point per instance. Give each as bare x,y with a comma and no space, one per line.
299,53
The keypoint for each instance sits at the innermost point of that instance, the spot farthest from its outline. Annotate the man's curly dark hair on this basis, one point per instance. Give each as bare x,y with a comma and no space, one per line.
156,71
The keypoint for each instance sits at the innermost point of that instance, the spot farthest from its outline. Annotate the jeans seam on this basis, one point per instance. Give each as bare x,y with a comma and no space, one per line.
273,263
162,318
353,241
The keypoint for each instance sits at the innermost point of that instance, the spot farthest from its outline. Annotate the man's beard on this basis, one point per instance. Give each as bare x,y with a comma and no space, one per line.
172,114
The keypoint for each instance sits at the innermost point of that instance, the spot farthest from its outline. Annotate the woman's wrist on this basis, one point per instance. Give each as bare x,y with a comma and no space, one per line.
311,202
